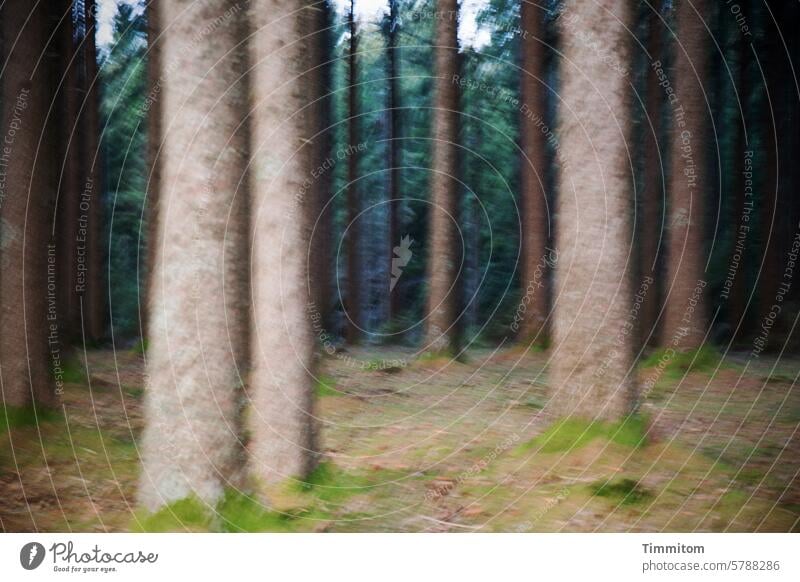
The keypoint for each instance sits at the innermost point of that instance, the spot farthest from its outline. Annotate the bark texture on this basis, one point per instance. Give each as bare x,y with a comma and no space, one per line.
199,305
353,308
25,200
685,317
536,259
444,261
395,197
281,386
593,357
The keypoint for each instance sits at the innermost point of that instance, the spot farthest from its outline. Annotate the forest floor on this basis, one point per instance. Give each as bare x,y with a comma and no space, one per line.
445,446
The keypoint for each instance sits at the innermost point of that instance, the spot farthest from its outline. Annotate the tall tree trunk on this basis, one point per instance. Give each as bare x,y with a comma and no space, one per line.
199,306
536,260
71,182
445,257
282,382
593,358
395,148
318,79
94,301
25,201
654,189
685,318
353,309
153,104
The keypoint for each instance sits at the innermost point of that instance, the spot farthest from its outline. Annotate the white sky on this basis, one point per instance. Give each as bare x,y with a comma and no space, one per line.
469,33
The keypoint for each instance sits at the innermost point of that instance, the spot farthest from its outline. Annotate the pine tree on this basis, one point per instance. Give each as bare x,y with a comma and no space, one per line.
353,300
26,199
281,385
536,259
593,355
445,257
199,303
685,318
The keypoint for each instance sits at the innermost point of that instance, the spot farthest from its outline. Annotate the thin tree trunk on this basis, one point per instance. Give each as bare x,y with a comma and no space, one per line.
445,257
283,445
322,213
25,199
395,145
94,301
686,319
536,259
593,358
353,303
654,189
153,101
199,305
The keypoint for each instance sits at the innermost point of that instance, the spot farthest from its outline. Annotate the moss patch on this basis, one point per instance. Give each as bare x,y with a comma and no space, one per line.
185,514
677,364
622,491
569,434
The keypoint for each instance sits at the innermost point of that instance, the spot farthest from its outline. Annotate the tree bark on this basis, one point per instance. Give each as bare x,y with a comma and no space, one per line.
536,260
353,309
393,139
592,363
199,306
654,191
25,201
283,445
685,318
94,300
445,257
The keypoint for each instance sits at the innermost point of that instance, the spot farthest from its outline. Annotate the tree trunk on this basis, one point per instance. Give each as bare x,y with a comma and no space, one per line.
393,139
318,77
536,260
353,309
685,319
593,358
282,382
654,189
199,306
25,201
153,104
94,300
445,257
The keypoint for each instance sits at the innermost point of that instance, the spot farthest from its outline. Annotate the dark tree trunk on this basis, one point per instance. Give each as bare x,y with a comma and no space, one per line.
353,310
395,149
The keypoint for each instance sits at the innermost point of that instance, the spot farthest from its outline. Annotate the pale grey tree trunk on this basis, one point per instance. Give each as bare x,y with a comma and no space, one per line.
593,356
199,297
281,386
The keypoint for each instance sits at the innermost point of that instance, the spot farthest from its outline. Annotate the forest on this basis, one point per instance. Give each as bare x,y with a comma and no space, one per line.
399,266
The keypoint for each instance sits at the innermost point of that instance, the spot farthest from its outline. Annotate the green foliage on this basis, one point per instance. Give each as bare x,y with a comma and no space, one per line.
571,433
326,386
240,512
622,492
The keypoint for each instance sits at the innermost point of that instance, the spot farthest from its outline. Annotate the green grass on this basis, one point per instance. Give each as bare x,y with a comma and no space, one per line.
326,386
74,371
572,433
140,347
185,514
21,416
622,491
703,359
240,512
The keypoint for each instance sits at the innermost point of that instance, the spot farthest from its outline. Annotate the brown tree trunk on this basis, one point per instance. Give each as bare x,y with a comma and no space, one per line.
445,258
353,309
91,208
393,139
654,190
153,104
319,134
536,259
593,356
25,201
281,386
199,307
71,183
685,318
